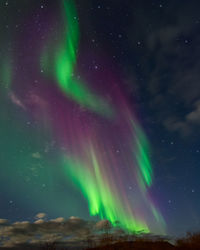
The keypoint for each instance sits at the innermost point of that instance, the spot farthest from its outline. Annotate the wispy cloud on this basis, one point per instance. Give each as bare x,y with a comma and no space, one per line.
188,124
61,230
168,58
15,100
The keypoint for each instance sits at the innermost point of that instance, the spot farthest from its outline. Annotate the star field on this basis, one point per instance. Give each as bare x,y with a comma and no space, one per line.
134,60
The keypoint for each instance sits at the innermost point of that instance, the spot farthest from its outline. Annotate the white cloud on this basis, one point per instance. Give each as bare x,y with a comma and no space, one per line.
15,100
36,155
40,215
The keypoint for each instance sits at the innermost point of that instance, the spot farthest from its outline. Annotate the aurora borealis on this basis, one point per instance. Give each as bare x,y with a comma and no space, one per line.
94,172
78,132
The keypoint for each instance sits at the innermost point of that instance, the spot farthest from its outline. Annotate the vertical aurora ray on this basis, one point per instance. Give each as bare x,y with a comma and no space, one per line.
142,149
145,170
103,201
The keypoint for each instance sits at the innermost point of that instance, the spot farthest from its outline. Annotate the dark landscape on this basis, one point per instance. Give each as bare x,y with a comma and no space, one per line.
78,234
191,241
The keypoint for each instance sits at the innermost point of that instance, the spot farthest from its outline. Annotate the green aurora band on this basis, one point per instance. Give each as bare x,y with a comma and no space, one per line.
64,61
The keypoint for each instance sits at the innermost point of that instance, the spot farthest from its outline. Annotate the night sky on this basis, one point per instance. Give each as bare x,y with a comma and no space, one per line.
100,112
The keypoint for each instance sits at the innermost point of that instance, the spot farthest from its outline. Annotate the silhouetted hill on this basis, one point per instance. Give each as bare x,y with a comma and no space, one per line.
108,242
140,245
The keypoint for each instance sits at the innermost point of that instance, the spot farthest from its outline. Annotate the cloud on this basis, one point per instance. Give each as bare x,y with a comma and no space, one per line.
37,100
3,222
174,124
168,58
40,231
66,232
36,155
40,215
188,124
58,220
15,100
39,221
73,232
194,116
